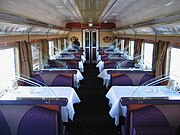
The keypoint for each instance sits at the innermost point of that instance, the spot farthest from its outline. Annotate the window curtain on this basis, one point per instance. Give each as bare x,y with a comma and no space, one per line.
45,50
30,56
160,58
25,58
138,46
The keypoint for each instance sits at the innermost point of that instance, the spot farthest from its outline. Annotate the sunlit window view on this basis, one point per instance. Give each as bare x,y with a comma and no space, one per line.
35,56
8,68
148,54
122,45
131,48
174,64
51,49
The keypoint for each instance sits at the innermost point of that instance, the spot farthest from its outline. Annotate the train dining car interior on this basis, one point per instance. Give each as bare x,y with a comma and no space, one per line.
89,67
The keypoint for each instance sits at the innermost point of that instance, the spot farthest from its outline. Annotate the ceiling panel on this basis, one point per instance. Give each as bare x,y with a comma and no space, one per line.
57,12
128,12
91,10
122,12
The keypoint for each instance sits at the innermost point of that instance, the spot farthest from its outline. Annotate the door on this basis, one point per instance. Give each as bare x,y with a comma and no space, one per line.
90,44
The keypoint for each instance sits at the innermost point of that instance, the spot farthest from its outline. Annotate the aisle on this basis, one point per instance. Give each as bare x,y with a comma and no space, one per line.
92,117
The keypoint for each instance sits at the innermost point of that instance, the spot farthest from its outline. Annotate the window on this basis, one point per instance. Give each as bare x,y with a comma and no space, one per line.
174,64
35,55
122,45
87,39
51,49
8,66
147,51
131,48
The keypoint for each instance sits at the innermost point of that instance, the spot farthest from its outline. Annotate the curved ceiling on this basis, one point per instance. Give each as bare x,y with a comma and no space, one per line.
17,29
91,10
157,29
129,12
121,12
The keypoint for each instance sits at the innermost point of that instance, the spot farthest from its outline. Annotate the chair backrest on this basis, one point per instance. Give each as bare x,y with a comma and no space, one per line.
38,121
104,57
149,116
129,64
121,80
63,80
4,127
38,79
147,77
72,64
54,77
135,78
109,64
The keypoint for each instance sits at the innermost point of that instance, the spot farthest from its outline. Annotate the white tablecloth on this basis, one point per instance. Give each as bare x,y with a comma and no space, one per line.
98,57
116,92
100,65
77,78
81,66
83,58
42,92
106,77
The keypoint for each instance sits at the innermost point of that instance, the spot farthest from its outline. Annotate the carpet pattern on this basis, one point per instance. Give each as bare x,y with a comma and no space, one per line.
92,114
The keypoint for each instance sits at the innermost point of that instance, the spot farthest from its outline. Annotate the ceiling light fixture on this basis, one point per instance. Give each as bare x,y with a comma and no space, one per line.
90,24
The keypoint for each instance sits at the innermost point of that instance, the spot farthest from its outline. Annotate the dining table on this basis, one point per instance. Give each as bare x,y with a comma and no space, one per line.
23,92
116,93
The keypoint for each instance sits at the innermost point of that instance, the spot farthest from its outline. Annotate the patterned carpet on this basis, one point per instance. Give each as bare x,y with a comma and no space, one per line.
92,114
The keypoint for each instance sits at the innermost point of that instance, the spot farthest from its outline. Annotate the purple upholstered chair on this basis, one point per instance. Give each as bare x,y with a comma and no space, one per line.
39,121
55,64
63,80
129,64
149,121
104,57
146,77
4,128
109,64
38,79
72,64
153,131
121,80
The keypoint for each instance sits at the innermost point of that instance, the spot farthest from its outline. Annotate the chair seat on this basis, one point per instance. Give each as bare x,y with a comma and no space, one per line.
153,131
